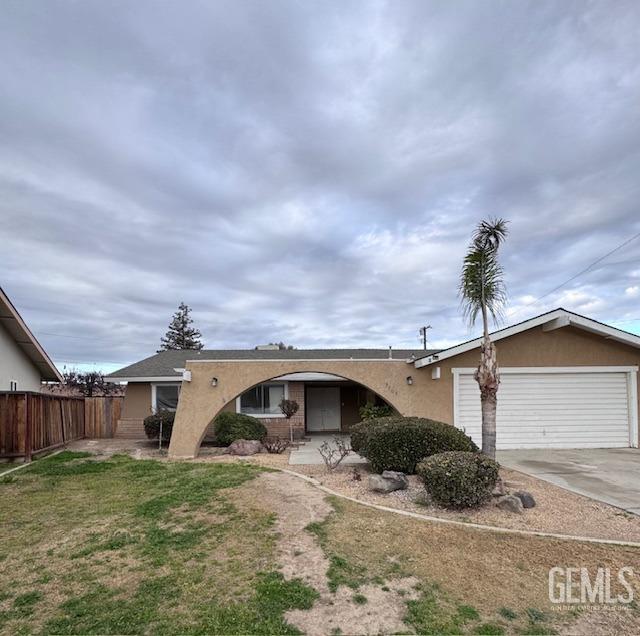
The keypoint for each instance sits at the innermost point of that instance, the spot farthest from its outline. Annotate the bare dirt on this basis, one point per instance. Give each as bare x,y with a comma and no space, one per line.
297,504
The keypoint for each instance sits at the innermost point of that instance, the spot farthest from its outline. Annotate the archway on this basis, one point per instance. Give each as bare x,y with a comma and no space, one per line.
215,384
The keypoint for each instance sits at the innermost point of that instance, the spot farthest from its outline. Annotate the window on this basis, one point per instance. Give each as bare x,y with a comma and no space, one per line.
13,385
164,397
263,400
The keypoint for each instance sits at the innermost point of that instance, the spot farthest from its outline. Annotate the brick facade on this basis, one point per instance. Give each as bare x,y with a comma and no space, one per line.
279,426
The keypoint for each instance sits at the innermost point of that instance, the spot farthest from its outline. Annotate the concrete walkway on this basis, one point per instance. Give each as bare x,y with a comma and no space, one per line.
609,475
308,453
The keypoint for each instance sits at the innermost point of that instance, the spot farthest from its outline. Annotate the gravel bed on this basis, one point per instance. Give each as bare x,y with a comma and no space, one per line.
557,510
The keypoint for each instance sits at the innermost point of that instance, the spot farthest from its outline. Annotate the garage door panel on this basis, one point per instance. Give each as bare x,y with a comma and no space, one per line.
551,410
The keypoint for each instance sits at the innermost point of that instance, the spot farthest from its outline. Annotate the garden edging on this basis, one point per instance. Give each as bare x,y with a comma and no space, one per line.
476,526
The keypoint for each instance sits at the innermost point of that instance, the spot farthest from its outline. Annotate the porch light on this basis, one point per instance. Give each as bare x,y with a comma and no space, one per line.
214,381
409,380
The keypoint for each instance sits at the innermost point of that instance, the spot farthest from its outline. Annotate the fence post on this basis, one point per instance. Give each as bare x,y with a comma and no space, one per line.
27,430
62,421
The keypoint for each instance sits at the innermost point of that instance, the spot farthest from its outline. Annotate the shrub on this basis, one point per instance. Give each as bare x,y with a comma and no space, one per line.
371,411
275,445
152,425
399,443
458,479
232,426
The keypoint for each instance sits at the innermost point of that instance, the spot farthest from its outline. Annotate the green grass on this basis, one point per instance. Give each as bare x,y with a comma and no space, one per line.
121,546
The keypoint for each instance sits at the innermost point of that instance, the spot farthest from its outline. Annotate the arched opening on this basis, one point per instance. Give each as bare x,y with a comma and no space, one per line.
327,403
218,385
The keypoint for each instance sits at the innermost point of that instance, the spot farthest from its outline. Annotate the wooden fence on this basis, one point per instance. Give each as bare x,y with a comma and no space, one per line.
35,422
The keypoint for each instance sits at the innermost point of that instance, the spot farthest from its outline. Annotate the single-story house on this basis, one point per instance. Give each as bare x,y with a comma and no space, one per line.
567,381
24,364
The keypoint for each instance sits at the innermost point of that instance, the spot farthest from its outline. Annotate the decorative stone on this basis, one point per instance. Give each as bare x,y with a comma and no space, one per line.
396,475
499,490
510,503
244,447
526,498
382,483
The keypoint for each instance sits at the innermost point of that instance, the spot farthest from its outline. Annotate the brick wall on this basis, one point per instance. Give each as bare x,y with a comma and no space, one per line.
276,426
279,426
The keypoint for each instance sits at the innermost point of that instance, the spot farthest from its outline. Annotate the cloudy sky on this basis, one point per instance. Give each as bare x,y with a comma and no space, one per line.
311,171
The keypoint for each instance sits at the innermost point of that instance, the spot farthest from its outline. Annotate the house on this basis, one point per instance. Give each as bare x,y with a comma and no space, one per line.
327,402
567,382
24,364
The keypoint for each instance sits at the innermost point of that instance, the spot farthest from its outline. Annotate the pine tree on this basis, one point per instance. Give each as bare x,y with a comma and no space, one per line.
180,334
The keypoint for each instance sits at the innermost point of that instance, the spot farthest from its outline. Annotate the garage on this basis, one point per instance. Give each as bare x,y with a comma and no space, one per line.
554,407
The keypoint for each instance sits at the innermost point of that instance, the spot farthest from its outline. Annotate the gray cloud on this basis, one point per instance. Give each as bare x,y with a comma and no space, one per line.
310,172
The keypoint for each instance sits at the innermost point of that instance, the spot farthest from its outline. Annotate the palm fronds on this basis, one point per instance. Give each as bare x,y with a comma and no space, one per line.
481,283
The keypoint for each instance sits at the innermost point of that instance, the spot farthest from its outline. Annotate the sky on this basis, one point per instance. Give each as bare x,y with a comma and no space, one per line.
311,172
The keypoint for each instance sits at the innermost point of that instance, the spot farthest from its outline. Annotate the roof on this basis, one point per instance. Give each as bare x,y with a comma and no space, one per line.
16,327
550,320
163,364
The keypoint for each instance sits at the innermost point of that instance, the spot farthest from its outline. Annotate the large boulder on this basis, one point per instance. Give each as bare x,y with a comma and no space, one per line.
510,503
389,481
526,498
244,447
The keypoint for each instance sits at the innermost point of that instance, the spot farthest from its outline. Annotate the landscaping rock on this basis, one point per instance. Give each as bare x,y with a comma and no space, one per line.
401,478
244,447
510,503
499,490
380,483
526,498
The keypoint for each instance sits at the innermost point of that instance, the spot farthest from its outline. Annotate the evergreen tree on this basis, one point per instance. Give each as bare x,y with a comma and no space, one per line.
180,334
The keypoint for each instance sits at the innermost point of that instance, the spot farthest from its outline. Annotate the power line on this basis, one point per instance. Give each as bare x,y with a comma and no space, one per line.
586,269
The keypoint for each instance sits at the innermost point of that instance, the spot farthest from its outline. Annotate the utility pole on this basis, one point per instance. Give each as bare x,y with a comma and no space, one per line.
423,335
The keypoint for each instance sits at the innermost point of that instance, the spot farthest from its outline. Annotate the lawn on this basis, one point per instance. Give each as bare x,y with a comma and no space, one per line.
124,546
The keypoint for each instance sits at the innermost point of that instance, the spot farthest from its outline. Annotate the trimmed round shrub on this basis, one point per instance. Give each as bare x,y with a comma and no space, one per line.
152,425
399,443
229,427
457,479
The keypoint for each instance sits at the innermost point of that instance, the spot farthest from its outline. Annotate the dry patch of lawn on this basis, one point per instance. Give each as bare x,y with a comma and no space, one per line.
503,578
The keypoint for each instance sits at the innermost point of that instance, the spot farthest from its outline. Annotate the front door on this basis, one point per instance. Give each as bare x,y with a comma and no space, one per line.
323,408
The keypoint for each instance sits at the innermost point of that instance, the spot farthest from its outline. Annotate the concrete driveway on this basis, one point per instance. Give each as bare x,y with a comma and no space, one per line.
608,475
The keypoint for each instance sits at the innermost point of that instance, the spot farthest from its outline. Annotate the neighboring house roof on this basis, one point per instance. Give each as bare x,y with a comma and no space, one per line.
16,327
549,321
163,365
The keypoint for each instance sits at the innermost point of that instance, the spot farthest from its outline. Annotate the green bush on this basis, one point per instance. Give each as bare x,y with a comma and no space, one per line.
399,443
371,411
229,427
458,479
152,425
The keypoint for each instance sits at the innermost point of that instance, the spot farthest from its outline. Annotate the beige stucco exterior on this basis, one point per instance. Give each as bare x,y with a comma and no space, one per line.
200,401
137,402
15,366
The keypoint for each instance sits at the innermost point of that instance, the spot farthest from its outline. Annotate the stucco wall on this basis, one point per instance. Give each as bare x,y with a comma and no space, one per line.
426,397
200,402
137,400
564,347
16,366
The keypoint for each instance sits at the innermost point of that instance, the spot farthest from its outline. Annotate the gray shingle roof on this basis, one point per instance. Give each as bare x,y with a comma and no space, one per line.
163,364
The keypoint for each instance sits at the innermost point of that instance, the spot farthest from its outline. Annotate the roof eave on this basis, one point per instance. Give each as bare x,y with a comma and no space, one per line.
561,318
28,343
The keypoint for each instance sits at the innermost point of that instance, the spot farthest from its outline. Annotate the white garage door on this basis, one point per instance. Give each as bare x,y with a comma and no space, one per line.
550,410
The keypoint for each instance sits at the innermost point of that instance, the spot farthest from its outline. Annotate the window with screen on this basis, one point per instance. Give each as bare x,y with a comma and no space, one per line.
263,399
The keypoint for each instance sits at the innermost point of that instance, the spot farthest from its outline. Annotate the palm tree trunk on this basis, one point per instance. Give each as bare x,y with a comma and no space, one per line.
488,379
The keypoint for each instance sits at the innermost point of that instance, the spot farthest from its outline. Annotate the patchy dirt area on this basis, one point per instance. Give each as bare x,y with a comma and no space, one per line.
297,504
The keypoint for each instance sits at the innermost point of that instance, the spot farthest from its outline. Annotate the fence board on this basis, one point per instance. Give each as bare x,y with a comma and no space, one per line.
32,422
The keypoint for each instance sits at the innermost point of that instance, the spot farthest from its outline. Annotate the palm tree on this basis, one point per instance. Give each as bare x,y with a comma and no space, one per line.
483,293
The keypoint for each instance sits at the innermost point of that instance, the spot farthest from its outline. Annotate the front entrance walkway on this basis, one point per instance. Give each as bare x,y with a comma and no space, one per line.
611,475
308,452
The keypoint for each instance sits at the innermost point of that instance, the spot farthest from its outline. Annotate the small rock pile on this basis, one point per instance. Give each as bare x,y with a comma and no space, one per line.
512,502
